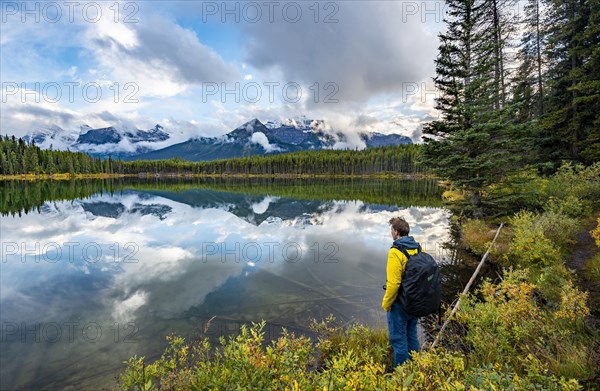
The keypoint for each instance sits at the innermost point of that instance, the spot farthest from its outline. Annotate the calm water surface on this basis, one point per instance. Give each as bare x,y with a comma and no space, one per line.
88,281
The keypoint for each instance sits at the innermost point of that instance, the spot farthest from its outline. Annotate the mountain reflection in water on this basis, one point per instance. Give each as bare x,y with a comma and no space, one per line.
90,281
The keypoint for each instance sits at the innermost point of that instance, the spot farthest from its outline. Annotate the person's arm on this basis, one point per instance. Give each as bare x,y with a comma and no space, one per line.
395,267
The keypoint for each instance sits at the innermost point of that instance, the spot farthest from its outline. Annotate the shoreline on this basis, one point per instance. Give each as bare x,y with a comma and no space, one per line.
66,176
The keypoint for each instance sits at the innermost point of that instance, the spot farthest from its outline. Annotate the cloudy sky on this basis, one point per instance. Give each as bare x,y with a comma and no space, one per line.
204,68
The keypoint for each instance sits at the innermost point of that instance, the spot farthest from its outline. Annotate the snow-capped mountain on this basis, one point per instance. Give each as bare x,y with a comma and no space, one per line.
256,138
103,141
300,123
53,136
251,138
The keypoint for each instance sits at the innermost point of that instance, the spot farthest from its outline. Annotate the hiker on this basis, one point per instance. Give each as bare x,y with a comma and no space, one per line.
402,327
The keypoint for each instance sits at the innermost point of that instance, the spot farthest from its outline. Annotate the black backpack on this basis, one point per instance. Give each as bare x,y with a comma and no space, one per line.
420,290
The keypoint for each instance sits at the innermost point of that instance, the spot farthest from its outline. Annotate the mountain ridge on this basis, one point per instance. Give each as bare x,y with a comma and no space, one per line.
256,138
248,139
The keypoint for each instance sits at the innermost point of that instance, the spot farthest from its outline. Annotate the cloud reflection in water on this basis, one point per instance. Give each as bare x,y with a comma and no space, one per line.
166,263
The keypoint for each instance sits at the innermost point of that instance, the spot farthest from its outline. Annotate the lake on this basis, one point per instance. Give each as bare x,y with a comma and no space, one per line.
95,271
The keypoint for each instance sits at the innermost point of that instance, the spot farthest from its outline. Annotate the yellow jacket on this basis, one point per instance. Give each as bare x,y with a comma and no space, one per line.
396,263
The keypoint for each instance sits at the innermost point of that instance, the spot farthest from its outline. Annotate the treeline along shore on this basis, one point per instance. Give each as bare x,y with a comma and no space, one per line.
20,160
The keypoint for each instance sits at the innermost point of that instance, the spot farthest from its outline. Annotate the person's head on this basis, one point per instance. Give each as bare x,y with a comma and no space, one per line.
399,227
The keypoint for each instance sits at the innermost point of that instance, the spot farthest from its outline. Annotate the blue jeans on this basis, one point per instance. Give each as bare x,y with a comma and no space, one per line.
403,333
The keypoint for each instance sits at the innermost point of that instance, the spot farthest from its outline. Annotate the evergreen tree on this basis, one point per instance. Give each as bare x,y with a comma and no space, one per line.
527,103
69,164
587,87
14,167
570,125
454,69
471,143
496,27
50,167
32,160
3,163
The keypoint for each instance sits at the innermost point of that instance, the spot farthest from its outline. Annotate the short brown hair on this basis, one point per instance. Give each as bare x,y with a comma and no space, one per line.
400,225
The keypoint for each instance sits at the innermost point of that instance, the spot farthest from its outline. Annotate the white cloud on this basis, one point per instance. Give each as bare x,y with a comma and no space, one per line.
123,310
261,139
370,54
261,207
369,50
157,54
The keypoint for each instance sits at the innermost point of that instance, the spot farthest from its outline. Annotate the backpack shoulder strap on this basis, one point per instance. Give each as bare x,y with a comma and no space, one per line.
403,251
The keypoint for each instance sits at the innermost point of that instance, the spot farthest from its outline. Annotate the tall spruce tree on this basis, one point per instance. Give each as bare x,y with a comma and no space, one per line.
570,127
497,26
528,83
587,87
4,164
471,142
526,104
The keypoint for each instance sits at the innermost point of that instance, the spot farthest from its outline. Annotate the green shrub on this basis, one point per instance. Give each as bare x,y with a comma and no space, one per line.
499,377
437,370
570,205
525,189
573,190
356,359
476,235
241,361
370,346
509,325
550,281
496,330
529,245
573,184
560,228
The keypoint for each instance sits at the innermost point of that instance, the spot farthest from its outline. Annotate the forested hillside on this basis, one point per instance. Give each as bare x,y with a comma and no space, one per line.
18,157
396,159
